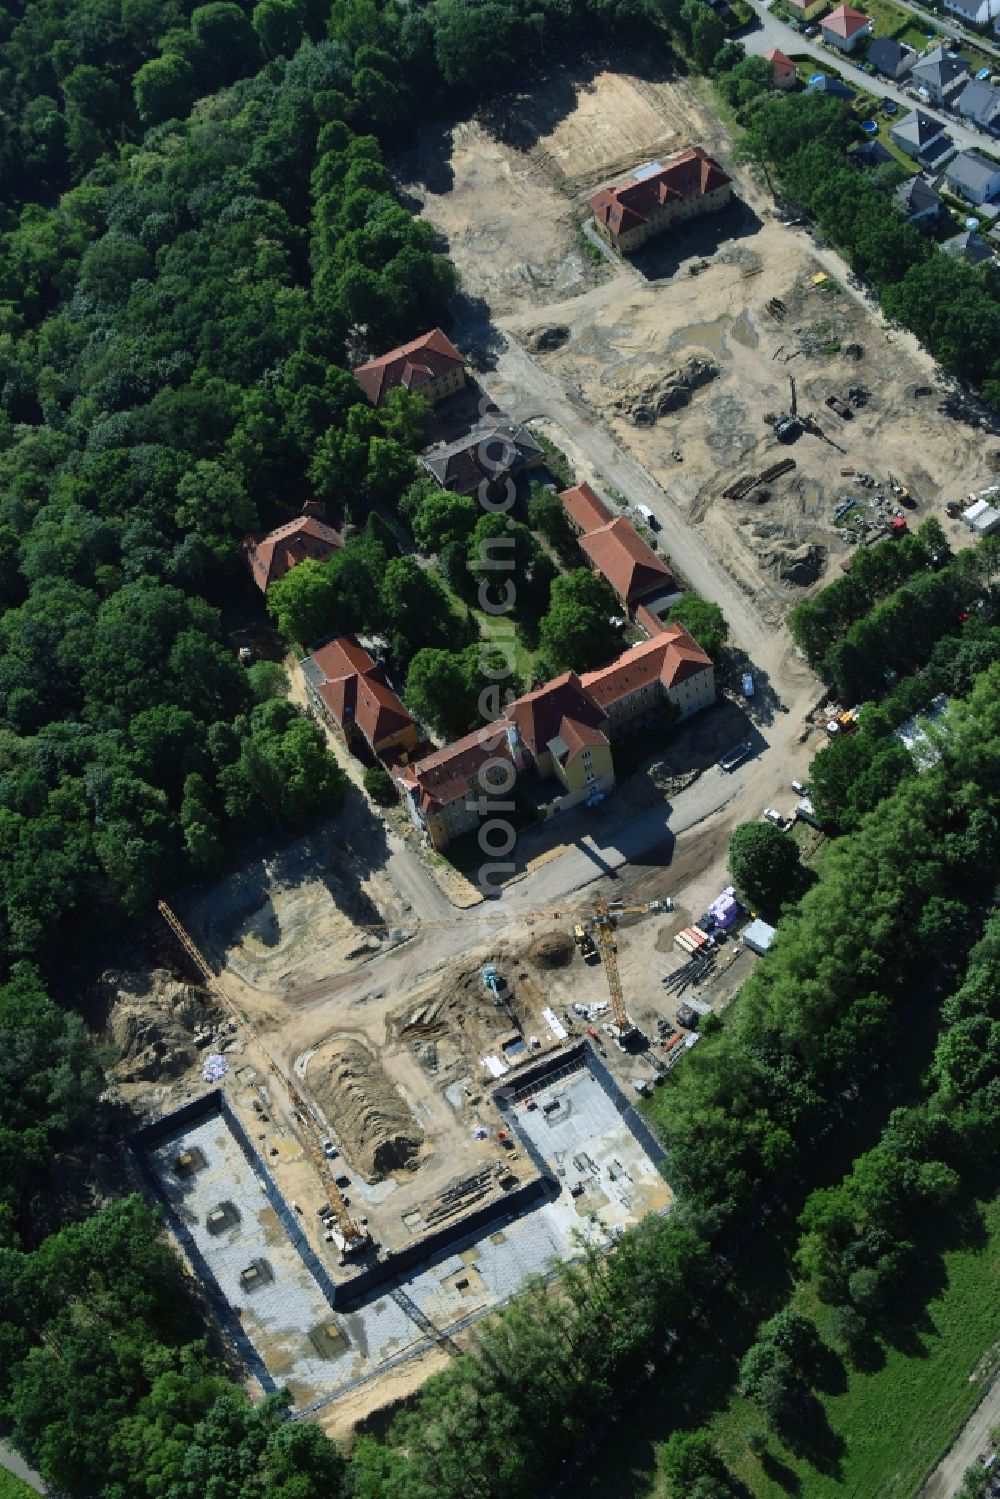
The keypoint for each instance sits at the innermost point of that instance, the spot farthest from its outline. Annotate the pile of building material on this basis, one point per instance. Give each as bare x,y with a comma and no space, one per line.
376,1130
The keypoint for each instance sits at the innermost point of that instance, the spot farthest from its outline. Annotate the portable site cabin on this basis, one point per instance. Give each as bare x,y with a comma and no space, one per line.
758,936
982,518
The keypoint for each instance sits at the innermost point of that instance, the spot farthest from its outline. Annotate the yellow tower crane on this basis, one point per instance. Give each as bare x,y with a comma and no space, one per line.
350,1237
602,924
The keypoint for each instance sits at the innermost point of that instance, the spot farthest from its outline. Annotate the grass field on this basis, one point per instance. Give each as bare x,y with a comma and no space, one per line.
13,1488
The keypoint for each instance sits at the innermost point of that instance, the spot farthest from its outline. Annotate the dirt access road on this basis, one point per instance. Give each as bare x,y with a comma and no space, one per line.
969,1445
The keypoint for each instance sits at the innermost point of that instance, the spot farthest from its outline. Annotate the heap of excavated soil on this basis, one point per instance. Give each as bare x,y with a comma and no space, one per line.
376,1130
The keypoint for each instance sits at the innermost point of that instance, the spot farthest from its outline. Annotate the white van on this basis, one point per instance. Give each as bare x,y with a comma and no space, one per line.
648,517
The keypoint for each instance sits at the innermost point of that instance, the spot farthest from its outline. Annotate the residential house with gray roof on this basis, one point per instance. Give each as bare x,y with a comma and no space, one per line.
939,72
920,136
974,177
890,59
968,246
980,101
917,199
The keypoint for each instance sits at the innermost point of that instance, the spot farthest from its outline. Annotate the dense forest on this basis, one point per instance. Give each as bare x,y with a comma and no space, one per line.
198,238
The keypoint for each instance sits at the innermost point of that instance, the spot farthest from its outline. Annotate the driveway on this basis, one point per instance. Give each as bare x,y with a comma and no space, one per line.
774,33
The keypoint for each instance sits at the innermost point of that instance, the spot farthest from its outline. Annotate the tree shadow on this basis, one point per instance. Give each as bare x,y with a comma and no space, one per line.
825,1369
866,1356
780,1473
809,1435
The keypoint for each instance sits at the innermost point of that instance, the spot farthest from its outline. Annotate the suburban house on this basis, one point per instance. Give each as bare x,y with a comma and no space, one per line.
783,70
487,454
940,73
562,732
845,28
978,11
807,10
920,136
975,177
917,199
833,88
980,101
349,690
430,366
870,154
657,196
270,557
968,246
615,549
890,58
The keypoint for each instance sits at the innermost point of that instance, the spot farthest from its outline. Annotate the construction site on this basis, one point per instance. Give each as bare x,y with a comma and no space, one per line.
682,352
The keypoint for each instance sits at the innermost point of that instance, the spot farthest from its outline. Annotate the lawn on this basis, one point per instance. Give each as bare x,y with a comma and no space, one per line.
892,20
13,1488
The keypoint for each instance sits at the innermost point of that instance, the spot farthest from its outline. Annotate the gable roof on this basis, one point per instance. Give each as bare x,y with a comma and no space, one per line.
585,507
620,554
980,100
886,55
916,195
490,451
270,557
354,689
692,174
971,171
968,246
939,68
411,365
917,128
668,659
782,64
836,87
845,21
870,154
544,713
445,775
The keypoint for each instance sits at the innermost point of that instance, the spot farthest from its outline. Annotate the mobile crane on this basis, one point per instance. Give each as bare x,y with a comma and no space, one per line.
350,1237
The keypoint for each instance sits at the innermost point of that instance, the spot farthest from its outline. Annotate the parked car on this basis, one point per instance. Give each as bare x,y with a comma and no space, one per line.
799,787
735,756
329,1149
747,684
774,816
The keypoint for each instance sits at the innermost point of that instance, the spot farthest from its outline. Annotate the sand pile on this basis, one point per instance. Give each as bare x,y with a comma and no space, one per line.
644,401
374,1126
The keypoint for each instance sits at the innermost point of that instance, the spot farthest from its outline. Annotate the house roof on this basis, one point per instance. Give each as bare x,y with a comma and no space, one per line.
886,55
576,738
445,775
620,554
670,658
939,68
980,100
270,557
845,21
870,154
836,87
411,365
782,64
968,246
490,451
971,171
692,174
543,714
585,507
354,689
917,128
916,195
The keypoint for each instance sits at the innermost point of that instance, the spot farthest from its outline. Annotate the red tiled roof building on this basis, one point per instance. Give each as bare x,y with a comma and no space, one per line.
350,690
657,196
430,366
270,557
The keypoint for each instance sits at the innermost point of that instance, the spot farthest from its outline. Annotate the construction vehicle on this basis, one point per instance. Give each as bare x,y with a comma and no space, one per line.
901,493
786,428
350,1237
840,407
602,925
584,941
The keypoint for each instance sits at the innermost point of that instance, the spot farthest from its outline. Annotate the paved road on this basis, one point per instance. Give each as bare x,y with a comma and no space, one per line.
951,28
774,33
14,1463
969,1445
